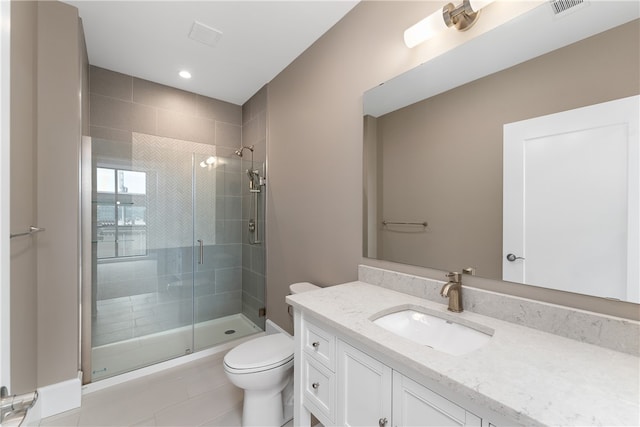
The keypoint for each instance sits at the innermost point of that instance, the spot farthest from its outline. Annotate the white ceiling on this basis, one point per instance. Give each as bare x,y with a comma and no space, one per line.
149,39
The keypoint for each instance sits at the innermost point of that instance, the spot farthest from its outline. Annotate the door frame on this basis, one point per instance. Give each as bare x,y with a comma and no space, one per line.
623,110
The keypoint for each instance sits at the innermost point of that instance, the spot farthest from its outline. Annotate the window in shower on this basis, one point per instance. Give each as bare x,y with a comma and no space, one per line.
121,213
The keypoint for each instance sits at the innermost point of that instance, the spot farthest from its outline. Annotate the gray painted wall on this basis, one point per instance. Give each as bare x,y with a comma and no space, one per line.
58,156
48,60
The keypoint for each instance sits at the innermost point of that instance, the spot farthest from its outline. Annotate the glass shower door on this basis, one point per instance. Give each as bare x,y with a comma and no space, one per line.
218,231
143,254
168,252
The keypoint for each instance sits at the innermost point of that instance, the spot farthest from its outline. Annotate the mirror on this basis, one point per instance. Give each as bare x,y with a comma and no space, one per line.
434,144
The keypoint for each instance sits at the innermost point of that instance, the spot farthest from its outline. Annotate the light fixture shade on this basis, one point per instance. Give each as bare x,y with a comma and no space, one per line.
424,29
185,74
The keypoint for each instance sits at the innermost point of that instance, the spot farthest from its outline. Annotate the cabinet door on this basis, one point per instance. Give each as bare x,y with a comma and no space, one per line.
364,389
416,405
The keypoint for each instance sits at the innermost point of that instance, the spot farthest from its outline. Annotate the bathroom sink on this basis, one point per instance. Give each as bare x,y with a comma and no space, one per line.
435,332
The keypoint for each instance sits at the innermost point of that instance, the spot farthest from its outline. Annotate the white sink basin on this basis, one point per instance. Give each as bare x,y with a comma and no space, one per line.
435,332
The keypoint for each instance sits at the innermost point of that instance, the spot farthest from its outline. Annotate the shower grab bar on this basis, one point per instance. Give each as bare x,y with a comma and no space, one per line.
385,222
32,230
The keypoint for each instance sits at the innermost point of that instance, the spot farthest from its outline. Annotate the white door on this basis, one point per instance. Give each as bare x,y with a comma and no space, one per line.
4,192
364,389
571,191
416,405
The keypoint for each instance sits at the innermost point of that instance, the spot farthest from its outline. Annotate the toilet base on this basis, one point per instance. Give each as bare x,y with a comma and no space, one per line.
266,408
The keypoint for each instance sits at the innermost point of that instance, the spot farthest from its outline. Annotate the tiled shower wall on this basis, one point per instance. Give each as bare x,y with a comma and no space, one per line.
254,132
122,105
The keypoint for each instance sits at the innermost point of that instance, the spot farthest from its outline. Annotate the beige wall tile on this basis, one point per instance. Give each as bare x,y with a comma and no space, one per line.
251,132
110,134
187,127
110,112
219,110
144,119
255,105
161,96
228,152
110,150
112,84
228,135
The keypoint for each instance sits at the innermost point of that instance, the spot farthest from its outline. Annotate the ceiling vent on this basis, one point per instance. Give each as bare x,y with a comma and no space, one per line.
204,34
560,7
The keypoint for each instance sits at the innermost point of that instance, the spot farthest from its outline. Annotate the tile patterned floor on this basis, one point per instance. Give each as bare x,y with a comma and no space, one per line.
194,394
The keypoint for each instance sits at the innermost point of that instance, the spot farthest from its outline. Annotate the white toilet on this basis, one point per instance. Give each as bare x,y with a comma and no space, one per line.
263,367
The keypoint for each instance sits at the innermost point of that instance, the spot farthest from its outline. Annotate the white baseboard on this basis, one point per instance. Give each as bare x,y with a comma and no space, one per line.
55,399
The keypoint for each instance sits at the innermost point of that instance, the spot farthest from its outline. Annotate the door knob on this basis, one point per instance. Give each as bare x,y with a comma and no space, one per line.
512,257
382,422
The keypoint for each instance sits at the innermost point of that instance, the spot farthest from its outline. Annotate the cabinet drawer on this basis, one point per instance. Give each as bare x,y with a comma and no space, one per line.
320,345
319,388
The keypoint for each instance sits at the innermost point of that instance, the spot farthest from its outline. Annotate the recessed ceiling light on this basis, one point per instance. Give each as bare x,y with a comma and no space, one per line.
185,74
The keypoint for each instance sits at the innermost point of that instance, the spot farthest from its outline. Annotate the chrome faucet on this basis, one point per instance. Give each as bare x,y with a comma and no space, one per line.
453,290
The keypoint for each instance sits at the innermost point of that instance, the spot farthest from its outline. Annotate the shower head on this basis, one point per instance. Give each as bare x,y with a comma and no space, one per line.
239,151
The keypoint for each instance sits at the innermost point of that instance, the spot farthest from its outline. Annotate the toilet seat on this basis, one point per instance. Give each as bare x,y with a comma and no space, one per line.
260,354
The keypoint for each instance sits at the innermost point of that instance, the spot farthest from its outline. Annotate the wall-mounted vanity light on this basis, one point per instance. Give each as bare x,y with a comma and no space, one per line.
462,17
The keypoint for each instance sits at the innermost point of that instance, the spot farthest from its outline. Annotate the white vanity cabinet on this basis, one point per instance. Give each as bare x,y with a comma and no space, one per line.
416,405
342,385
314,373
364,389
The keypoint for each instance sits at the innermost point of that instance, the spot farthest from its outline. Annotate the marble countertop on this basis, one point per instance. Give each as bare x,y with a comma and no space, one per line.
528,376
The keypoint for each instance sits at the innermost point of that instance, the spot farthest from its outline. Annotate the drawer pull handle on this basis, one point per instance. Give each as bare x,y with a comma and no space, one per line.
315,386
316,344
382,422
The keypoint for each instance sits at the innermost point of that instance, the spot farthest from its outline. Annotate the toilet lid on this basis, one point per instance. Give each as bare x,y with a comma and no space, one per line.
265,352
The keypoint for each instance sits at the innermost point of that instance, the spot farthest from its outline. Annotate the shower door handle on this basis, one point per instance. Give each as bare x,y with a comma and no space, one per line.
201,257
